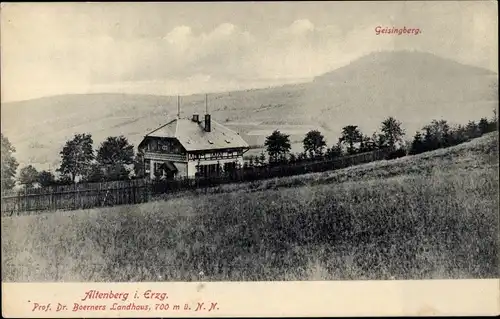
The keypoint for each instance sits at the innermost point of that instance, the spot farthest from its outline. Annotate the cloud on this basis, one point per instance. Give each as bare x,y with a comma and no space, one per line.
179,35
177,55
302,50
69,49
301,26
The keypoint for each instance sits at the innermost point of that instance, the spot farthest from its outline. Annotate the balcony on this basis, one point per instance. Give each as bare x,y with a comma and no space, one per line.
165,157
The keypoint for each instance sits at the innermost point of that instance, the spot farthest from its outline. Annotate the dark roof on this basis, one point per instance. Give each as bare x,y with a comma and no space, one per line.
171,166
193,137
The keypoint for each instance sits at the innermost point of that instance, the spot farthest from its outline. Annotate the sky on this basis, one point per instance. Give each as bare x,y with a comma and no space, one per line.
184,48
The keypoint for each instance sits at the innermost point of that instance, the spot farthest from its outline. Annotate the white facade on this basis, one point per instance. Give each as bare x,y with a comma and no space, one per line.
189,148
189,167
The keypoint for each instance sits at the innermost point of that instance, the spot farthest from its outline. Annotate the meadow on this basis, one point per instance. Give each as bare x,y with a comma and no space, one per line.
429,216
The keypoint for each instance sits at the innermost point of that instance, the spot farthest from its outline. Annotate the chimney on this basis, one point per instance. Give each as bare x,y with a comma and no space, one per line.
178,106
196,118
207,123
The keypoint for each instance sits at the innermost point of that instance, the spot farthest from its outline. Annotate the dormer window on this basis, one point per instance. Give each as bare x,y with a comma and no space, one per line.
228,141
209,141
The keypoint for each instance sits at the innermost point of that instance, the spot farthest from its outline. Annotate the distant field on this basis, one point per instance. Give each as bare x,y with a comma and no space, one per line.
433,215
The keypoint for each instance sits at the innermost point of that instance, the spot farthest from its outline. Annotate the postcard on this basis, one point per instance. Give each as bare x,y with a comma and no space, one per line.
261,159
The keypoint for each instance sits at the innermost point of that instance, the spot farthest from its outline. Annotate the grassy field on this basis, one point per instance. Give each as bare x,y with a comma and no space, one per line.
433,215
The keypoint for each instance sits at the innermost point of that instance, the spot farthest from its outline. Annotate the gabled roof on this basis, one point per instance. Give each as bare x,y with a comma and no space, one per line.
166,130
193,137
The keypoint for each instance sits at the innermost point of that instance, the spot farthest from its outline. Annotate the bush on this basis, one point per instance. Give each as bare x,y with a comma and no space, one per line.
46,178
400,152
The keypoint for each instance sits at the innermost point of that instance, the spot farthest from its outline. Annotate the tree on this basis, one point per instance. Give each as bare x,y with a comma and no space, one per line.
350,136
314,143
28,176
301,157
64,180
379,140
139,170
483,126
257,161
77,155
262,158
115,150
293,158
46,178
437,135
493,121
335,151
472,130
417,145
367,144
95,173
117,172
458,134
278,145
111,172
113,154
392,132
9,164
250,161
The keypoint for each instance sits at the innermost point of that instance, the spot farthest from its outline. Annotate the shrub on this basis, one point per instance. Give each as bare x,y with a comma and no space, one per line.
400,152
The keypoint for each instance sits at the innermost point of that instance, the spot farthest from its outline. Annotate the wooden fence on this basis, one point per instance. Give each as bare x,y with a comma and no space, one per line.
90,195
266,172
76,196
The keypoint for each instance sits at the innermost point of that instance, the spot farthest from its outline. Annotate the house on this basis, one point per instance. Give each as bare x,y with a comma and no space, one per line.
189,147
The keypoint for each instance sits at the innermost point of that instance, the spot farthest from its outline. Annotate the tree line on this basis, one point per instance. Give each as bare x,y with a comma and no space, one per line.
115,159
112,160
437,134
351,141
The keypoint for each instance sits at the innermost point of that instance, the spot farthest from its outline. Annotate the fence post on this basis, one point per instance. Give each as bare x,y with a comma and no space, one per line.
149,190
118,196
74,195
98,195
131,197
51,198
18,202
26,199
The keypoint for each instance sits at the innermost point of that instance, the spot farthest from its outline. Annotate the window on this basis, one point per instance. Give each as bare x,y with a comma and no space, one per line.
154,145
209,170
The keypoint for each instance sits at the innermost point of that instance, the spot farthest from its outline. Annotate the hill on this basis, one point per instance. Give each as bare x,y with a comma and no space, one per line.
414,87
429,216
